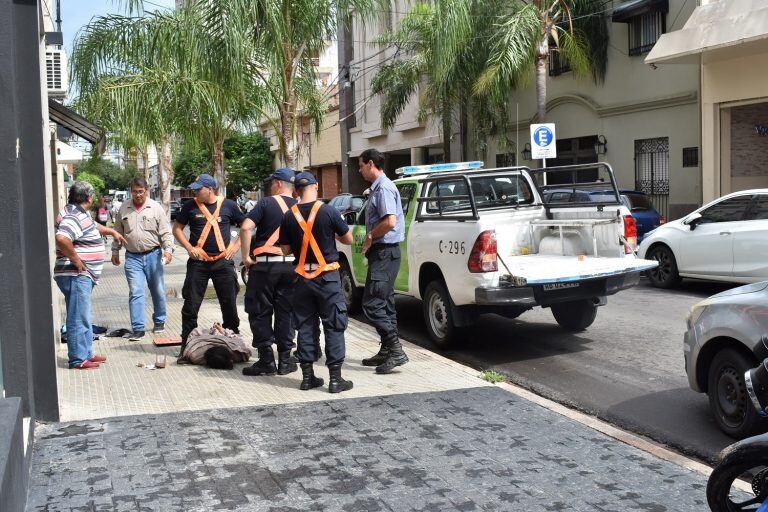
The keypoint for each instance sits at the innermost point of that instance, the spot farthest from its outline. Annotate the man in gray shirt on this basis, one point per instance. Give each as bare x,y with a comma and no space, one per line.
385,229
149,245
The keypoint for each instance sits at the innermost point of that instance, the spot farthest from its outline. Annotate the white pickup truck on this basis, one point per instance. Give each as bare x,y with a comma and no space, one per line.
504,241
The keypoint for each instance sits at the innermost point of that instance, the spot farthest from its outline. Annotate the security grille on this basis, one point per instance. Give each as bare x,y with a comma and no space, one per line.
652,171
645,30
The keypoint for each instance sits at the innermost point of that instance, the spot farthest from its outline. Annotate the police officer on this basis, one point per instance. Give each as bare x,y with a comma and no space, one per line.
270,278
210,250
385,229
309,231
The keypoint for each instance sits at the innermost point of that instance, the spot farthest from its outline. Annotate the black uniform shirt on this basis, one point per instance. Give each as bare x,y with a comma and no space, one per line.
328,224
267,216
229,215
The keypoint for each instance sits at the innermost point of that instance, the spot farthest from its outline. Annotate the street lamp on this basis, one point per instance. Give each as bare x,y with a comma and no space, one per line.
601,145
526,152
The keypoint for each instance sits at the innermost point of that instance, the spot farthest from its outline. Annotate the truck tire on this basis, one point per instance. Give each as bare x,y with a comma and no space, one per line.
666,274
728,399
353,295
438,316
575,316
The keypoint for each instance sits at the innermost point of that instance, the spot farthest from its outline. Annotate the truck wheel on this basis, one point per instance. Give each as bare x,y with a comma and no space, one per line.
665,275
353,295
438,316
575,316
728,397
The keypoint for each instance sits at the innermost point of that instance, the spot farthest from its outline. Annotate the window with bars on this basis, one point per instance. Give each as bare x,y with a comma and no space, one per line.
557,65
645,30
690,157
652,171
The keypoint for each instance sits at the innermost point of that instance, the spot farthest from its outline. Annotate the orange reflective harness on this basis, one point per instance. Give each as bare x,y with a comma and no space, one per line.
309,240
211,223
270,246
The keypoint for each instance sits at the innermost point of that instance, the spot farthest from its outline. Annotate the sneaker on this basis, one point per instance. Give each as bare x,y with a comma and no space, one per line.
98,359
86,365
158,328
136,335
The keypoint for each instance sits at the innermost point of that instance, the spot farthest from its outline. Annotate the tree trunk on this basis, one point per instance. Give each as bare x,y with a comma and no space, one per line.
145,163
165,173
289,133
542,61
447,129
463,127
218,165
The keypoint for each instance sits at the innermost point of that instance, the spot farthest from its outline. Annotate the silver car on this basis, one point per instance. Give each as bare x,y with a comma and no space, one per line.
719,344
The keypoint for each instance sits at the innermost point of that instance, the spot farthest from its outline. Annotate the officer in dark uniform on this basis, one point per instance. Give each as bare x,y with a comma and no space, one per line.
210,249
270,278
385,229
309,231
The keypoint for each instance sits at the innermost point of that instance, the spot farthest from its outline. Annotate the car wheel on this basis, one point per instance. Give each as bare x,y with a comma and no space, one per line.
665,275
438,315
353,295
728,398
575,316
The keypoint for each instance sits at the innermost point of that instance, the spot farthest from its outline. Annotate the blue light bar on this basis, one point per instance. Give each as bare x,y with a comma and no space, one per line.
426,169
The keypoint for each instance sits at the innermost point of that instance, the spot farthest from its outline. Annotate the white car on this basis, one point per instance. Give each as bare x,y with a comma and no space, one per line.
725,240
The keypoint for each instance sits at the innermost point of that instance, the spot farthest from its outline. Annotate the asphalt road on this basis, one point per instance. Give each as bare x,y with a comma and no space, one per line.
627,368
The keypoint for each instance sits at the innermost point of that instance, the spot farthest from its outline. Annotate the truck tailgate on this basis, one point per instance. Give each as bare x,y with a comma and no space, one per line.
543,269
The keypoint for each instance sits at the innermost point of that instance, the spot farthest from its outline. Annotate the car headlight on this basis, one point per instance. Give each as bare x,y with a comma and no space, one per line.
696,311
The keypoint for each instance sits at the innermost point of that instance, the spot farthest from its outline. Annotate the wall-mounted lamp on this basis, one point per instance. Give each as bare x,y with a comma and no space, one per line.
601,146
526,152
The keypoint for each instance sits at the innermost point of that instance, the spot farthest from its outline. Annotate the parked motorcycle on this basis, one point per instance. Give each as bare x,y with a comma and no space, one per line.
747,460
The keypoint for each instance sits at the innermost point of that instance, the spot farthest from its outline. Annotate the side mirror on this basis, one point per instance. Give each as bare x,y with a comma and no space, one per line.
350,218
693,220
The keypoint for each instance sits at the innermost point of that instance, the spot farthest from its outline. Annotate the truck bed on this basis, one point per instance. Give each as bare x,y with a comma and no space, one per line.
538,269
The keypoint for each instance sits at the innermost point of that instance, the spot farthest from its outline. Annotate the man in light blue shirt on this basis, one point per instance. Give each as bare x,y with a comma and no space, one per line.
384,230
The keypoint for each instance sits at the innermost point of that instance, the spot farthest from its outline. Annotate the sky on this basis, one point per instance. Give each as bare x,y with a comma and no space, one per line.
75,14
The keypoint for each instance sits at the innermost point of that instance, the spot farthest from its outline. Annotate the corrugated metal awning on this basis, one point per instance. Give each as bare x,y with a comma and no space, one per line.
77,124
633,8
719,29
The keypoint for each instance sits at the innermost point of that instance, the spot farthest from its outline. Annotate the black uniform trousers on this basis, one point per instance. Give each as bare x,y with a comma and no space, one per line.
270,292
379,293
320,297
222,273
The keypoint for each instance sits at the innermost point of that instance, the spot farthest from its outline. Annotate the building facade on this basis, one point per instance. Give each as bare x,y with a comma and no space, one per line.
728,42
646,120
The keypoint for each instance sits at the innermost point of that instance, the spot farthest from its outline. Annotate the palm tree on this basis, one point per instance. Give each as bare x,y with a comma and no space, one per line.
521,43
289,35
167,75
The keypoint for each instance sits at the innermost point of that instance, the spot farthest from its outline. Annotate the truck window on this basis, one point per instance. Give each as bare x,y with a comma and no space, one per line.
488,192
407,191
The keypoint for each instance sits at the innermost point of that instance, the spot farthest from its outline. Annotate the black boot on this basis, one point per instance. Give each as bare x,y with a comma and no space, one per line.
337,384
264,366
286,363
379,358
308,379
396,357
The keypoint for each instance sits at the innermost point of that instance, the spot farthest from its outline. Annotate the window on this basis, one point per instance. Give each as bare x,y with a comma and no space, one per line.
645,30
557,65
488,192
506,160
652,171
730,210
639,202
407,192
690,157
759,210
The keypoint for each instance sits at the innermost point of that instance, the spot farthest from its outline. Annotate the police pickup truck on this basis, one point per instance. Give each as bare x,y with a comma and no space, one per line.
504,241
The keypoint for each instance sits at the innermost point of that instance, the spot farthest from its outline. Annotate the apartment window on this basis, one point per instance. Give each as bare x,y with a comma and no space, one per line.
646,21
690,157
557,65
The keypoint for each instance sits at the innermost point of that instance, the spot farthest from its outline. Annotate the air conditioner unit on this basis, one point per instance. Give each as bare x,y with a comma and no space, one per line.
56,73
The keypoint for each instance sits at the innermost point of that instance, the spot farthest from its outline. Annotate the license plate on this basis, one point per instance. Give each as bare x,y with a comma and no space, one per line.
560,286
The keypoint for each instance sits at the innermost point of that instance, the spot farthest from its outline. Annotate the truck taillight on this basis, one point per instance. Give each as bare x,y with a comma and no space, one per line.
630,234
483,255
662,220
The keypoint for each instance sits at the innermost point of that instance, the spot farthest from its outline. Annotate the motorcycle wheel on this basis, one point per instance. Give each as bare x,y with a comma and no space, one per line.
740,462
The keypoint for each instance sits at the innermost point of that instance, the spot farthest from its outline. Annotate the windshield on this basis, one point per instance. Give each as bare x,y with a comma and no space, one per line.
488,192
639,202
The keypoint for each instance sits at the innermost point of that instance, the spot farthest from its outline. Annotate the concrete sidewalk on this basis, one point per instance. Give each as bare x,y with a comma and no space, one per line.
433,437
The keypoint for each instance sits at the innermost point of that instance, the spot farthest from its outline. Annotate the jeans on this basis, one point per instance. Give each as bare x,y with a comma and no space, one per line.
77,293
141,268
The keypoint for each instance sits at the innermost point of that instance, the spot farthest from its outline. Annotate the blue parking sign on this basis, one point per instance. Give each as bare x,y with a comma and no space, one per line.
543,141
